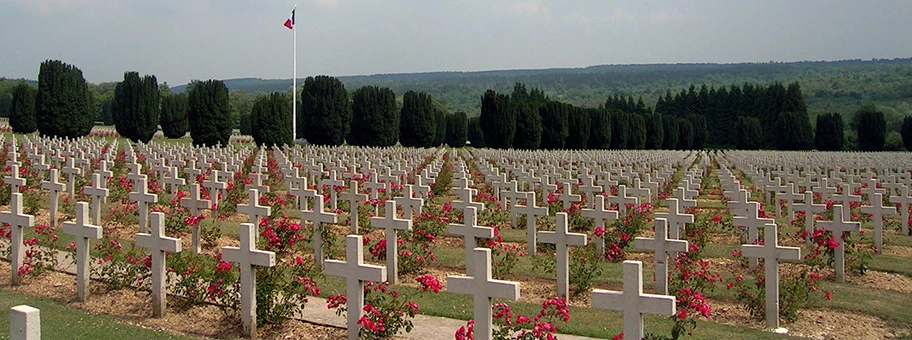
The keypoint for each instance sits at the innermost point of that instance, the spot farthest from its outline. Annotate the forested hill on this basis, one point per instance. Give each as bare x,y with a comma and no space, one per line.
839,86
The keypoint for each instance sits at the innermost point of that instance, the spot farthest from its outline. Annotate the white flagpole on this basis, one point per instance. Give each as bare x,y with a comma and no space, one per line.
294,87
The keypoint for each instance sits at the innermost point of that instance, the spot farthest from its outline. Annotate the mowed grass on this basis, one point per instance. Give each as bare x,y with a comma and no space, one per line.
61,322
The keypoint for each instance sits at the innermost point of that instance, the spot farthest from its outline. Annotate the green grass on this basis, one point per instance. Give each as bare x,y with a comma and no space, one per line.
62,322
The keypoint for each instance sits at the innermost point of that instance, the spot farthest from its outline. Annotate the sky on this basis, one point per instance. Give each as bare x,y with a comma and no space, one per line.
182,40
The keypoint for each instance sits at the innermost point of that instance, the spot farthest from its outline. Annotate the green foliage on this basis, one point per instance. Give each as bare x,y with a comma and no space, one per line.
457,127
270,120
655,131
209,116
528,126
555,118
871,128
600,125
440,120
474,133
578,125
22,110
619,129
686,134
106,114
750,133
906,132
497,120
137,107
700,132
174,109
792,131
375,117
417,125
64,106
672,132
326,113
830,135
894,142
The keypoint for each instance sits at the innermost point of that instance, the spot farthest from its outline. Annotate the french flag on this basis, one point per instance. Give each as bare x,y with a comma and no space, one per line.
290,21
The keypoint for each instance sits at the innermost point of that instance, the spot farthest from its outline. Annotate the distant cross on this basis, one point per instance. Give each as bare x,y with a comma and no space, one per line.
838,226
531,211
355,200
215,187
904,199
789,196
662,246
158,244
247,256
173,181
600,214
98,194
771,253
877,211
253,209
14,180
391,224
17,221
632,301
482,288
317,216
752,222
54,186
568,197
809,208
195,204
143,198
355,273
562,239
82,231
677,219
622,200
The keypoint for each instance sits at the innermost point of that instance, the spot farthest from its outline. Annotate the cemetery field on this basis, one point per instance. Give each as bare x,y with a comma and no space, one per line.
258,241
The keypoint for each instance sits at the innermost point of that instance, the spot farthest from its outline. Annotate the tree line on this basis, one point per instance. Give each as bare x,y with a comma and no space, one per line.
750,116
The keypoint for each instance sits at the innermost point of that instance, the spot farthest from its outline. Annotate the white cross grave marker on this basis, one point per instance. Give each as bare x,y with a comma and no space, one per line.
391,224
561,239
82,232
771,253
158,244
662,246
839,226
878,211
483,289
469,231
531,210
17,221
355,273
247,256
318,217
143,198
632,301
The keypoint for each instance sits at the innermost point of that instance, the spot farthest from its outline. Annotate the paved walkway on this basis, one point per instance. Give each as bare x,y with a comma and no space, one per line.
426,327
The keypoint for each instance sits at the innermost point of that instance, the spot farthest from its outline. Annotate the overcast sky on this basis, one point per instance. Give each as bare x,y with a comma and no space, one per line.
181,40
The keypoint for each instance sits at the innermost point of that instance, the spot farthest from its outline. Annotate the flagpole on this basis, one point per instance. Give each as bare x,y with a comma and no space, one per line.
294,86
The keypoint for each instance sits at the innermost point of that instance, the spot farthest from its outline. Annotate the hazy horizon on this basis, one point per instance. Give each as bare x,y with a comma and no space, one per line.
180,41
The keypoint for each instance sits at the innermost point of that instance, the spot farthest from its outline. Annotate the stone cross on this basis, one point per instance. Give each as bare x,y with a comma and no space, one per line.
600,214
14,180
173,181
838,226
464,201
355,273
738,206
71,171
561,239
25,323
104,172
877,210
17,221
254,210
483,288
99,194
247,256
846,198
355,199
54,186
469,230
789,196
191,171
409,202
215,187
143,198
752,223
681,194
195,204
632,301
677,219
317,216
82,232
391,224
622,200
809,208
904,199
568,197
531,210
662,246
158,244
302,192
771,253
332,182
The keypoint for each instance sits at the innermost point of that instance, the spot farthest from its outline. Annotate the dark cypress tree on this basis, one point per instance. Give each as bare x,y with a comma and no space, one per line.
209,113
698,122
686,135
618,129
417,126
906,132
457,126
528,127
137,107
271,120
375,117
107,112
64,105
326,113
555,117
830,132
637,132
174,110
579,127
672,131
750,133
246,122
655,131
440,121
22,110
793,131
600,125
497,120
871,128
475,134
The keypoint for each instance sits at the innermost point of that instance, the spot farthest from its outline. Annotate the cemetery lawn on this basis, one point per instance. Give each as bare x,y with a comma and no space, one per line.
62,322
